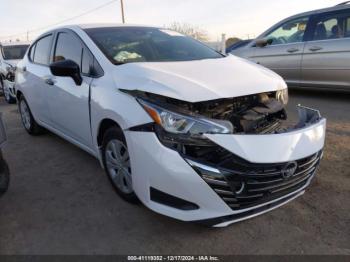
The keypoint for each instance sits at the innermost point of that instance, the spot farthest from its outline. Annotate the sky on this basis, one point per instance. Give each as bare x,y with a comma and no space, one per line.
239,18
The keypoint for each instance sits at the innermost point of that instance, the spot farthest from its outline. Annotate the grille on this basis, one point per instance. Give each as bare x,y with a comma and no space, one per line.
242,184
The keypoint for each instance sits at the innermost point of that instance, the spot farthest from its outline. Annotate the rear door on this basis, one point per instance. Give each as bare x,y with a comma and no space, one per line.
33,77
283,54
326,60
69,103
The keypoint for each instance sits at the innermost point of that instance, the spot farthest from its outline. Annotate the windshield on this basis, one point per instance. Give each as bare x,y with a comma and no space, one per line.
14,52
142,44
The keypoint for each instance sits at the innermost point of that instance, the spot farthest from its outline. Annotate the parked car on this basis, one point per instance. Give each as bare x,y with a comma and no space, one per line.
193,134
238,44
10,54
308,50
4,170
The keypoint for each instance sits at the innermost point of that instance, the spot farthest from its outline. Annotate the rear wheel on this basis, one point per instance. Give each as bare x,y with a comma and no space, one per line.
117,165
28,121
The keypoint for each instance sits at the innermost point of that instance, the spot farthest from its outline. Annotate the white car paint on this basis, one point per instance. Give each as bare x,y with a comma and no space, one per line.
64,109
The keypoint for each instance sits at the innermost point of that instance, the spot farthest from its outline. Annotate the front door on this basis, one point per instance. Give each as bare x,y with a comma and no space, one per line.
69,103
284,52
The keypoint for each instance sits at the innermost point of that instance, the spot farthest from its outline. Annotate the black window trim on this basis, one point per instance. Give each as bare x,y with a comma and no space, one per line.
34,46
84,46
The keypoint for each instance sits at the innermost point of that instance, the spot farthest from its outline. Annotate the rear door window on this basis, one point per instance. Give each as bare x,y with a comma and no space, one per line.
333,25
42,50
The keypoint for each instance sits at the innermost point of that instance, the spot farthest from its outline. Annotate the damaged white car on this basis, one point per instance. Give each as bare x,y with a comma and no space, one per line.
191,133
10,54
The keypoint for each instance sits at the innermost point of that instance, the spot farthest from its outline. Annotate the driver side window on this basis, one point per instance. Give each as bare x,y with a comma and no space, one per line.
290,32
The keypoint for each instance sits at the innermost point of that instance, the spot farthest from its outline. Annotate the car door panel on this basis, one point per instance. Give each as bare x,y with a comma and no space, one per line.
69,108
285,60
69,102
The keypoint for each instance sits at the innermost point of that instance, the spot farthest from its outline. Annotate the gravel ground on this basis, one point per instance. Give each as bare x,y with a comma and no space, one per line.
60,202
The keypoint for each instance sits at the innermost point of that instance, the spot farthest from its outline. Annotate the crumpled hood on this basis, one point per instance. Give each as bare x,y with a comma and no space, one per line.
201,80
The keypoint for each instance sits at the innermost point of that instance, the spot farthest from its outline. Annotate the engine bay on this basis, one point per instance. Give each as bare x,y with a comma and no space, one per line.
252,114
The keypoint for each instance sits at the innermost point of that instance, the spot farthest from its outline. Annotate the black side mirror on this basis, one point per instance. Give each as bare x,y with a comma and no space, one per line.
263,42
67,68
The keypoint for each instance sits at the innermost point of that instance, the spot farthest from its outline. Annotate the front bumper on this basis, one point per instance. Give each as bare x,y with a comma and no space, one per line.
278,168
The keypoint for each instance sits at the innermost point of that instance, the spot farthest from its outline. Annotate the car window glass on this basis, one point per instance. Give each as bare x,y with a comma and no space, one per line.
143,44
290,32
15,52
87,62
332,26
68,47
42,50
31,53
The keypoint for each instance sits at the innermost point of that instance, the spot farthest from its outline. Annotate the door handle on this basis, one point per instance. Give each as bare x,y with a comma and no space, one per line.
50,81
315,48
292,50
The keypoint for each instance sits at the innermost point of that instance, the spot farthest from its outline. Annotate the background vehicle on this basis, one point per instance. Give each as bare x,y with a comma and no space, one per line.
238,44
4,170
159,110
10,54
308,50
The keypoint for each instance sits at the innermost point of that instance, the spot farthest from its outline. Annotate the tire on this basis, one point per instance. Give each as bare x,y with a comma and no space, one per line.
116,162
4,176
28,121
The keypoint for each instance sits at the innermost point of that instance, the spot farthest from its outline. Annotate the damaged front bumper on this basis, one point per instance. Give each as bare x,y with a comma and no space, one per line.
253,174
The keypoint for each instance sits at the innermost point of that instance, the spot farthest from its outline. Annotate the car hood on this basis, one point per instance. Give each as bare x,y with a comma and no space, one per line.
12,63
200,80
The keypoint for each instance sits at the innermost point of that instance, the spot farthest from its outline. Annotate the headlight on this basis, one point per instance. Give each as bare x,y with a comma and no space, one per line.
282,96
178,123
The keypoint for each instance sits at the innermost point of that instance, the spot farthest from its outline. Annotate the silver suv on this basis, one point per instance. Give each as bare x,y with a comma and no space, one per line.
308,50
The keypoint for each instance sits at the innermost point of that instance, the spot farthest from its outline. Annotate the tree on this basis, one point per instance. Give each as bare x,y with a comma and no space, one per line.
232,40
190,30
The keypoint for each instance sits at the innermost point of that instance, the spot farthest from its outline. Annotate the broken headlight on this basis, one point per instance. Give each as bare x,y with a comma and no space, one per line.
181,123
282,96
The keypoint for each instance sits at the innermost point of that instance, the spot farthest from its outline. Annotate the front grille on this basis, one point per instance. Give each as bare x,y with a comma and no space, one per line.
242,184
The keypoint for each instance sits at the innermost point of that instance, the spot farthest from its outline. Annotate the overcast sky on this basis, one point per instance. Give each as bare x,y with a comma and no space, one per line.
233,17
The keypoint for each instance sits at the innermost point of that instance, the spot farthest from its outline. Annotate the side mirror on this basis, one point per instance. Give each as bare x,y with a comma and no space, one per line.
67,68
263,42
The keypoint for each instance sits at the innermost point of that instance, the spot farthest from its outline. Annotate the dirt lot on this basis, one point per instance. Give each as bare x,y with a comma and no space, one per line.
60,202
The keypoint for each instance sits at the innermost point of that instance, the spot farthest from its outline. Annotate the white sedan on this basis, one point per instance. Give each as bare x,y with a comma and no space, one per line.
191,133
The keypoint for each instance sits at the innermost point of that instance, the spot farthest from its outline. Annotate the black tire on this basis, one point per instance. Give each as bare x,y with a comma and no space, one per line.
4,175
31,126
115,133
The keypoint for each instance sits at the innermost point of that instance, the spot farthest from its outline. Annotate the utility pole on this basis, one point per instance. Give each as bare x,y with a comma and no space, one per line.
122,7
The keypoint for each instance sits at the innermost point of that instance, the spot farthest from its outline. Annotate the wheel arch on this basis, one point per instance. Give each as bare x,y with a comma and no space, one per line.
104,125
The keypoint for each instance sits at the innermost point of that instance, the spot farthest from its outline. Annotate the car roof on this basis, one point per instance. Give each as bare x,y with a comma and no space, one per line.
14,43
323,10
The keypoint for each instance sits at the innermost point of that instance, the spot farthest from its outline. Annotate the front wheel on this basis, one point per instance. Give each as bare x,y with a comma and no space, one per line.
117,165
28,121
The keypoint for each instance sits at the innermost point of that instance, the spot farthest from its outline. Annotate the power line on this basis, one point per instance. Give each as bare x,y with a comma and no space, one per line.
62,21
